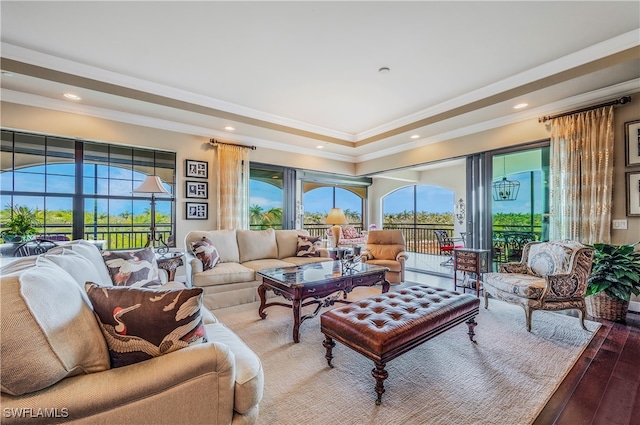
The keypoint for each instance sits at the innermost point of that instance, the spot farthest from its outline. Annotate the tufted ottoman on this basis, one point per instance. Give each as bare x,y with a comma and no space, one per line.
385,326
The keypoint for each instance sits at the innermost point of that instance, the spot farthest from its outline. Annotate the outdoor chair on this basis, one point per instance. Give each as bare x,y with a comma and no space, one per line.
34,247
550,276
387,248
447,244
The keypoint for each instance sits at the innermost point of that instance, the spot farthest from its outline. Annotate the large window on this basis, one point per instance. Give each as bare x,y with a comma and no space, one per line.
84,189
318,199
266,198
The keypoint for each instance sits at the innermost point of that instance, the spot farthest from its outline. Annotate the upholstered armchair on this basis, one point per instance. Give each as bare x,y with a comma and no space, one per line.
387,248
550,276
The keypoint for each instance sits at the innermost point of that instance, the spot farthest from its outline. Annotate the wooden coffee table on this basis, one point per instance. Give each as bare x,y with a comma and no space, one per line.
323,282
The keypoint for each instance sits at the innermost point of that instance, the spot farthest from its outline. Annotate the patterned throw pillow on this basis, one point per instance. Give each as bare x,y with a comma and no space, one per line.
308,246
132,268
205,252
350,232
139,323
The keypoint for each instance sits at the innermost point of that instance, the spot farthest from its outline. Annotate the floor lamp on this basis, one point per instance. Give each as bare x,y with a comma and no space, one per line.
153,185
336,217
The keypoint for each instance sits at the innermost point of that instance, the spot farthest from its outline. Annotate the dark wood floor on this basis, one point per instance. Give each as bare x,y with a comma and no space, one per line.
603,387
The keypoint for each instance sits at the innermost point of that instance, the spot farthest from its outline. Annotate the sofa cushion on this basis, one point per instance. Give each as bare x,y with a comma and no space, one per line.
224,273
268,263
522,285
79,267
350,232
257,244
287,241
224,240
91,253
206,252
308,246
139,323
132,268
48,330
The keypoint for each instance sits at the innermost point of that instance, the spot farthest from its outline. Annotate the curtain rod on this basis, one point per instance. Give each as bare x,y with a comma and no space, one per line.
621,101
214,142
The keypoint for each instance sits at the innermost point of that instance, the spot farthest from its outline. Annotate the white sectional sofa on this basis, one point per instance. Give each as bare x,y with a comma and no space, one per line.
234,280
55,364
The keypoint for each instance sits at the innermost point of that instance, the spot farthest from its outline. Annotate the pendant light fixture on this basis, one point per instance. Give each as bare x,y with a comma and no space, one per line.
505,190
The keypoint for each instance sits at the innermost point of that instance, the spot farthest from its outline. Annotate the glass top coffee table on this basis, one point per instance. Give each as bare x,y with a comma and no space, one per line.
320,283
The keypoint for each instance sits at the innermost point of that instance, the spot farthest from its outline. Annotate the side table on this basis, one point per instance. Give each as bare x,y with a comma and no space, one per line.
170,261
469,260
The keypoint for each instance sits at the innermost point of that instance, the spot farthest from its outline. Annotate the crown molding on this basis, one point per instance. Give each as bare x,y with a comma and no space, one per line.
592,53
32,57
596,96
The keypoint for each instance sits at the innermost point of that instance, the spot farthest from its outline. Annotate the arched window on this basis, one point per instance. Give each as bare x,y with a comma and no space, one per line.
418,210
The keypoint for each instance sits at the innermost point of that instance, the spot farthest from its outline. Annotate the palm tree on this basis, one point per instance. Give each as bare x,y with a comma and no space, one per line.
255,214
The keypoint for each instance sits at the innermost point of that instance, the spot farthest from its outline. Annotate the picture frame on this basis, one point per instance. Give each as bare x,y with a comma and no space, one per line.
197,211
633,193
197,189
632,143
197,169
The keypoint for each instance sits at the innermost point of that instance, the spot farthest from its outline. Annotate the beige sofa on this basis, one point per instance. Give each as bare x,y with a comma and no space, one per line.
55,365
234,280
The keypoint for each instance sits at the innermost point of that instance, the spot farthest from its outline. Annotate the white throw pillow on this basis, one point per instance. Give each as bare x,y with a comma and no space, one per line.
81,269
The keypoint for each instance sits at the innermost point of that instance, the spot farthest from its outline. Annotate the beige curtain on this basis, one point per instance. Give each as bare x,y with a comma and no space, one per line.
233,186
581,176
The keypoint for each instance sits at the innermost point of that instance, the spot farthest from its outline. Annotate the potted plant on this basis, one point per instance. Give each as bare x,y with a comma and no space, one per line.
615,275
20,226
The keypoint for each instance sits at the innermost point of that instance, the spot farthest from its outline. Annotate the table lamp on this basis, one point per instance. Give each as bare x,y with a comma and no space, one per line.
153,185
336,217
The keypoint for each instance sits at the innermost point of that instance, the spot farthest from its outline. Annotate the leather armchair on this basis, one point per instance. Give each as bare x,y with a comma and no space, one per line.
550,276
387,248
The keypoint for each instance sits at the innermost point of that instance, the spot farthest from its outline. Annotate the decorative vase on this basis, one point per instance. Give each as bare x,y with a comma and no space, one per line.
601,306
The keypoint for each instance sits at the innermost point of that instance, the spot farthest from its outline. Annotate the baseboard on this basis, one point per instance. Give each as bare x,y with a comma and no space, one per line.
634,306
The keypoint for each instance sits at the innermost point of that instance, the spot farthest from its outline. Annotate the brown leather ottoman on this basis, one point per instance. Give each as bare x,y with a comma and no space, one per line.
385,326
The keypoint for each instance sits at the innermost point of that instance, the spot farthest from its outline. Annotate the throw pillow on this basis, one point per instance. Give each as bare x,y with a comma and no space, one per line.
205,252
139,323
308,246
350,232
132,268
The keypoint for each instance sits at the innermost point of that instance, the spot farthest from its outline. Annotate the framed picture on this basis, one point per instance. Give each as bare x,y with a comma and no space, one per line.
197,189
199,169
632,142
197,211
633,193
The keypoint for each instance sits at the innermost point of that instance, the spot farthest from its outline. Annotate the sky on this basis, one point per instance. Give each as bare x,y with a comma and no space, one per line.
431,199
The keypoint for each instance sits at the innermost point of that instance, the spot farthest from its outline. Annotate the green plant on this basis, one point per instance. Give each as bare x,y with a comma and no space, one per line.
615,270
23,222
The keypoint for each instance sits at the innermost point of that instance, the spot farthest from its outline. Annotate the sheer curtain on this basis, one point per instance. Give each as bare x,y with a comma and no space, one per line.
581,175
233,186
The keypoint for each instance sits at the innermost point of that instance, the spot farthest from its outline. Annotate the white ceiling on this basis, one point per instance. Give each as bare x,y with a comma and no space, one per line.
295,75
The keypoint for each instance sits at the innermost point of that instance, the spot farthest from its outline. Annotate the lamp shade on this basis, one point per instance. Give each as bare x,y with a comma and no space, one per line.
151,184
336,216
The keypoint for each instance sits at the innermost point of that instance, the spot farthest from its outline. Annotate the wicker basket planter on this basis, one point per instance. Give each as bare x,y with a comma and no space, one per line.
602,307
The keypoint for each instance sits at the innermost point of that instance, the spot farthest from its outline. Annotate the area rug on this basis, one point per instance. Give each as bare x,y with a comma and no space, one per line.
506,378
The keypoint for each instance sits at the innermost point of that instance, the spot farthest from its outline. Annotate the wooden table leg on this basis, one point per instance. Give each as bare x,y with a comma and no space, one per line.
296,320
262,292
380,374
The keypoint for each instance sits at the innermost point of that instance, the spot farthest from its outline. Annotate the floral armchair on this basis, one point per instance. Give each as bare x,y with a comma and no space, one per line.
550,276
348,236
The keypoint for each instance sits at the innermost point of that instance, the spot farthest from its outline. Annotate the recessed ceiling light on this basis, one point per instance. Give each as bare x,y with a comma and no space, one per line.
384,70
72,96
319,147
229,128
521,105
415,136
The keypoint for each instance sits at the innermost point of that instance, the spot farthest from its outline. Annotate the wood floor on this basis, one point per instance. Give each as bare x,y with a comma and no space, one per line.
603,387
